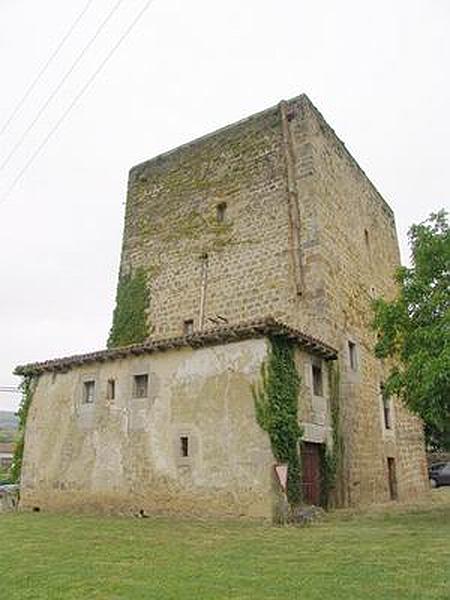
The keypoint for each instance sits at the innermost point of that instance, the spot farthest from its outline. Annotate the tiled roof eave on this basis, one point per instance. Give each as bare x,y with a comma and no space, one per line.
267,327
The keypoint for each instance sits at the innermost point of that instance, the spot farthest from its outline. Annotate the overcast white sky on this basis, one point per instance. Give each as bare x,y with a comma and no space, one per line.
378,71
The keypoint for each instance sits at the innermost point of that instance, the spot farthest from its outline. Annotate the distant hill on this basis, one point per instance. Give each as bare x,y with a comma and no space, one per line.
8,420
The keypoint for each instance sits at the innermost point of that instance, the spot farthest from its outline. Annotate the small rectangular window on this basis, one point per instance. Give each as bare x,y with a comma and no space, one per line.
188,327
111,389
317,379
89,392
221,210
352,356
140,386
184,446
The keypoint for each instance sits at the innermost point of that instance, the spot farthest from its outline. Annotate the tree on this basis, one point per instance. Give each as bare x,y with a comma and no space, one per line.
414,329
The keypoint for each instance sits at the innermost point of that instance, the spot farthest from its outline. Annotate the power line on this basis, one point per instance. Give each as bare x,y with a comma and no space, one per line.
75,100
9,390
73,66
45,67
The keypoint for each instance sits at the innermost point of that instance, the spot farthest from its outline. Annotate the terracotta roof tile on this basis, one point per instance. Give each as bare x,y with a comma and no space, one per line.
219,335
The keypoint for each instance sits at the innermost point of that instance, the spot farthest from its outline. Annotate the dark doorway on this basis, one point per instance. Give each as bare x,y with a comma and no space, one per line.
311,473
392,479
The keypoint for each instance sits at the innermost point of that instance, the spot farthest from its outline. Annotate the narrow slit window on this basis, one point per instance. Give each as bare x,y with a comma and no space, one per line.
140,386
184,446
392,478
188,327
352,356
221,211
111,389
89,392
387,414
317,379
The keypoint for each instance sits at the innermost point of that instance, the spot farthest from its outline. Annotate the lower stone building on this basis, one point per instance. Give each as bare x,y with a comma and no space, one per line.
170,426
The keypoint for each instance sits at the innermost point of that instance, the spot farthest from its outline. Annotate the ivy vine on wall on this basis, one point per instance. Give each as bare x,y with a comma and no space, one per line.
129,318
276,404
332,457
27,388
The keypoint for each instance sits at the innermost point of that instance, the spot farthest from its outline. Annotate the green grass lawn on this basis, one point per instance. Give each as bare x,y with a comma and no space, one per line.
390,555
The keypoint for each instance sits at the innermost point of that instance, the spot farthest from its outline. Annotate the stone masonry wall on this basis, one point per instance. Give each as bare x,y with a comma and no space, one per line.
359,253
306,238
171,224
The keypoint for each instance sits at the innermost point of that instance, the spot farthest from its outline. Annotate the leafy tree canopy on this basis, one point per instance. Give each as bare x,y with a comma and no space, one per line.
414,329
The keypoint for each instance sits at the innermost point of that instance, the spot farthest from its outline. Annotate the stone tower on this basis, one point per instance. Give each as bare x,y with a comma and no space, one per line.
273,216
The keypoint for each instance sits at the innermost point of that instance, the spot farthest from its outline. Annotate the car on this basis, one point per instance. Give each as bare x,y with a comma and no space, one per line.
435,467
439,474
9,487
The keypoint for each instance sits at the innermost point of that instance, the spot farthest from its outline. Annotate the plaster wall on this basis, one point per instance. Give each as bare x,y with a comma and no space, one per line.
123,455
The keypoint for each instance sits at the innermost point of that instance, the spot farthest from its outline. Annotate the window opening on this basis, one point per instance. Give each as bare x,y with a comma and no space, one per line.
184,445
111,389
352,355
221,210
392,479
89,392
317,379
387,414
140,386
188,327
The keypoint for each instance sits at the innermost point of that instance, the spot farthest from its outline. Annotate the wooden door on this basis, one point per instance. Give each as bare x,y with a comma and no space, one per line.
311,473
